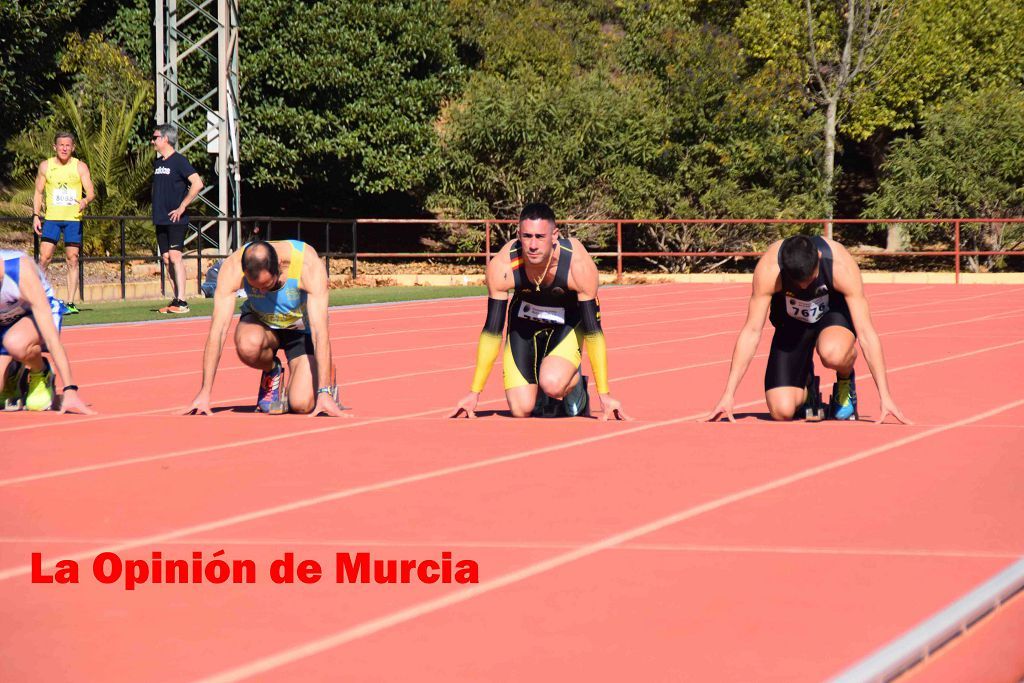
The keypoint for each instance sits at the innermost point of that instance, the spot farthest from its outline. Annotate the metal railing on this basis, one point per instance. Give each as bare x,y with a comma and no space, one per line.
341,238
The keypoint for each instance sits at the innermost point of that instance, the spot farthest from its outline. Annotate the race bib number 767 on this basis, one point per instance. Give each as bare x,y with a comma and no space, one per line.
807,311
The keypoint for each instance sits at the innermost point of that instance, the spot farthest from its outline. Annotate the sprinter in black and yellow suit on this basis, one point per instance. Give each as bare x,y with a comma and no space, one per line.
554,308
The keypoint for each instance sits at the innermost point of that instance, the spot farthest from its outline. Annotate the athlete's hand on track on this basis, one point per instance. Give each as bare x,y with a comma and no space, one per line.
200,406
326,405
612,408
889,407
72,403
724,407
467,405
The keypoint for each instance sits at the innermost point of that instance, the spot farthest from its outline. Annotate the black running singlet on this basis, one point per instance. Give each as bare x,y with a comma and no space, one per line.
552,305
809,305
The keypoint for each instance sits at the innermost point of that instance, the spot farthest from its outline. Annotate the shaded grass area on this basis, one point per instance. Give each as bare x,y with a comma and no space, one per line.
134,311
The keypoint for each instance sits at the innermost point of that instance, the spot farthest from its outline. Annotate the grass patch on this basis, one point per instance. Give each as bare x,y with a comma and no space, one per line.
134,311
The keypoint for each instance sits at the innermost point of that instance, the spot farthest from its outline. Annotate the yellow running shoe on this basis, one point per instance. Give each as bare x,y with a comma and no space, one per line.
40,389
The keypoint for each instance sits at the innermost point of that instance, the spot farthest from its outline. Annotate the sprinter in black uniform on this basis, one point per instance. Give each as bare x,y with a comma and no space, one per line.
813,291
554,310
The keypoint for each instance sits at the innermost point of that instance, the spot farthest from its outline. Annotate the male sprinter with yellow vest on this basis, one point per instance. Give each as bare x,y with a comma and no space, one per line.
553,307
61,179
813,291
287,288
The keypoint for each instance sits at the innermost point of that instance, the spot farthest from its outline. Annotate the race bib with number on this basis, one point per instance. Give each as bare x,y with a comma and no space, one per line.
63,196
807,311
551,315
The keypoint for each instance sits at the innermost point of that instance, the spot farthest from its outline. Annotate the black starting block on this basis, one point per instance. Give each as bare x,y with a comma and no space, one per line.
814,408
575,404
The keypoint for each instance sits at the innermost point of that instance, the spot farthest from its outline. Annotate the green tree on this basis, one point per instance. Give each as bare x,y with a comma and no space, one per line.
969,162
108,103
29,34
344,93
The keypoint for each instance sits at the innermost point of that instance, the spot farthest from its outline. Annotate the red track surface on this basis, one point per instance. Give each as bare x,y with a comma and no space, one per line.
660,549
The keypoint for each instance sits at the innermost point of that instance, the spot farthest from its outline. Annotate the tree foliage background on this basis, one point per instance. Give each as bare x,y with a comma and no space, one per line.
635,109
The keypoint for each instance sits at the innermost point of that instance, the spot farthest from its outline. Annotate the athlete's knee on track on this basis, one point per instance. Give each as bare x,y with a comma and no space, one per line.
300,404
552,383
782,408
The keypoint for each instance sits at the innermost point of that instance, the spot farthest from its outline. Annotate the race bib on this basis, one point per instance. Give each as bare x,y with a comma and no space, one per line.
62,196
807,311
551,315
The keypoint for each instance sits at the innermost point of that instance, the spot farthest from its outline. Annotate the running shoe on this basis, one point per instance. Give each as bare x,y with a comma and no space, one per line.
12,390
176,306
843,405
40,388
271,389
69,308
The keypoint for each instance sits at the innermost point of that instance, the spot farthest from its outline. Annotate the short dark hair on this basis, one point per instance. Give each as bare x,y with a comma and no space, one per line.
798,257
64,134
537,211
260,257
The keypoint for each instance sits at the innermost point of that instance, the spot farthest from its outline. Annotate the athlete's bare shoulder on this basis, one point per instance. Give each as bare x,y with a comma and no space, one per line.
499,269
766,274
845,271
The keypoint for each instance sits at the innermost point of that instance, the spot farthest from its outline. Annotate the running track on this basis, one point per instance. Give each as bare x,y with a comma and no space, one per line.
659,549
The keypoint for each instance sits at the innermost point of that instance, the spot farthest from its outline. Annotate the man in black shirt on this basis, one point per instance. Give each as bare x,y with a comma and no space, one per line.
175,185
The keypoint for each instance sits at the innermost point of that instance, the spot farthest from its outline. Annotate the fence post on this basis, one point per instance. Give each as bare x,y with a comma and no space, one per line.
124,286
199,263
956,248
298,230
35,247
163,274
355,251
327,250
487,242
81,272
618,251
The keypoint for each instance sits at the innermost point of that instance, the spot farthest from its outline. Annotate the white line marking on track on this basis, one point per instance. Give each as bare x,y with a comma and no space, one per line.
372,626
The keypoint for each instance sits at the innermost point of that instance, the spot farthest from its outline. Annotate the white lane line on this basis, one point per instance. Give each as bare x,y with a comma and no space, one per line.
426,607
348,543
258,514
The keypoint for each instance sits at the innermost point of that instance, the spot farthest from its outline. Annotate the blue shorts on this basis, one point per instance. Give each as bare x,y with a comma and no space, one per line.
58,319
72,232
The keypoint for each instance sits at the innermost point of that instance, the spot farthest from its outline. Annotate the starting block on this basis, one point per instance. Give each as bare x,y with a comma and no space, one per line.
575,404
813,408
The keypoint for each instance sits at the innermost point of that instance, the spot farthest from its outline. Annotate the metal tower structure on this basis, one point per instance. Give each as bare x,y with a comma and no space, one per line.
197,91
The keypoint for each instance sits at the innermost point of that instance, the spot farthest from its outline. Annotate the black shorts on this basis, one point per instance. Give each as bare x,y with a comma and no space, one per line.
791,356
527,345
294,342
170,237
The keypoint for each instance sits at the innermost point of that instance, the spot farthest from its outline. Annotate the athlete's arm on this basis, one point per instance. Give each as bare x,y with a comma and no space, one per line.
766,276
195,184
586,282
90,191
37,199
848,282
229,279
499,280
32,289
314,281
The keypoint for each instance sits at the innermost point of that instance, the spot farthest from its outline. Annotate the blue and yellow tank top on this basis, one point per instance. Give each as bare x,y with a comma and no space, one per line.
285,308
63,190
